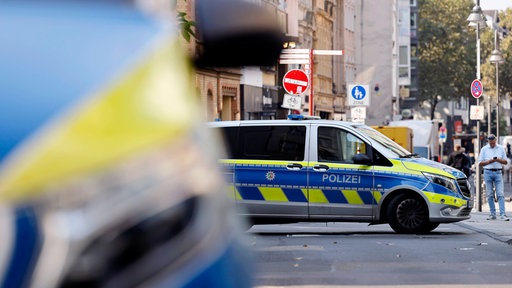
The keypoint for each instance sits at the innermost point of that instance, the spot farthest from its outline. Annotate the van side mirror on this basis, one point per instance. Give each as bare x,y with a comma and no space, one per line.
235,33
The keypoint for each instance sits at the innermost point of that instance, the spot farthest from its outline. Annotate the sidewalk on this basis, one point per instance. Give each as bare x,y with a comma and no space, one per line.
499,230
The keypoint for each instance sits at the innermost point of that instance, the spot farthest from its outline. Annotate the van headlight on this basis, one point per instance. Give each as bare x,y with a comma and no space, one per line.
444,181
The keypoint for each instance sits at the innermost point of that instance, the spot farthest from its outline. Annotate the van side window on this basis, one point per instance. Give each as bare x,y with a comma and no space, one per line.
230,137
272,142
336,145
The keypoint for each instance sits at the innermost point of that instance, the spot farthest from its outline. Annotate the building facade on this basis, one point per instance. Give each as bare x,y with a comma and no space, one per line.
365,30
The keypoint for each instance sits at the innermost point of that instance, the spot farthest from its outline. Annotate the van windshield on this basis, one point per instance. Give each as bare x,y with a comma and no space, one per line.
385,141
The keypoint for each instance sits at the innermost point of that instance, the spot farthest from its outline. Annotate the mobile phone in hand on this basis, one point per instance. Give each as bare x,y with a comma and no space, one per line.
495,158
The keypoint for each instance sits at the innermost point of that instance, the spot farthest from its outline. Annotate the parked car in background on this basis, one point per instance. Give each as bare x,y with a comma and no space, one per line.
108,176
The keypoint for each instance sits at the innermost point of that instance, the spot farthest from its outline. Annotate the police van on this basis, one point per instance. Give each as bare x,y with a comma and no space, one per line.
283,171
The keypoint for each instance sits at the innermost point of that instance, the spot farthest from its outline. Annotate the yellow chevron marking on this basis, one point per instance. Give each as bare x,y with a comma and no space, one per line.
273,194
317,196
377,196
352,197
305,193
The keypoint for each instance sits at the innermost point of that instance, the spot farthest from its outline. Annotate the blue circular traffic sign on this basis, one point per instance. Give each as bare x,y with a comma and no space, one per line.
476,88
358,92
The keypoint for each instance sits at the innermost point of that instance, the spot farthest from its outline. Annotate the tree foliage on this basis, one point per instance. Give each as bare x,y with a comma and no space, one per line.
186,26
447,51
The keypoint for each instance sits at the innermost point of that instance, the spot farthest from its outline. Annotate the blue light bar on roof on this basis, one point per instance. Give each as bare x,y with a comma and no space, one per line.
302,117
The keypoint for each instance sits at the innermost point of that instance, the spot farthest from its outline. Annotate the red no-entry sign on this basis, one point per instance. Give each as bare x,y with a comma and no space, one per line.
295,82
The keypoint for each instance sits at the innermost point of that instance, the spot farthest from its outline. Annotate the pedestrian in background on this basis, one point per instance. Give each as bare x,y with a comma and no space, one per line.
492,158
458,159
451,156
465,162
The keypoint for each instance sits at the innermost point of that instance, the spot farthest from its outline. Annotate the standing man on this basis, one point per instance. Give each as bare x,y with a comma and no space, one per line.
459,160
491,158
465,161
451,156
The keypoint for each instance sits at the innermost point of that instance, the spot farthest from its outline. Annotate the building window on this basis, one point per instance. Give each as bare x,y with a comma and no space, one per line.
403,56
403,72
414,50
414,20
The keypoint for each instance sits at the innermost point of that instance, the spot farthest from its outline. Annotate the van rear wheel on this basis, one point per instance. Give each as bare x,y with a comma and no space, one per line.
409,214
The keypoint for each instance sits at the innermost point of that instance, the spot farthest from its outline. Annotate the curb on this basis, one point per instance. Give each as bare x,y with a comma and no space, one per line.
496,229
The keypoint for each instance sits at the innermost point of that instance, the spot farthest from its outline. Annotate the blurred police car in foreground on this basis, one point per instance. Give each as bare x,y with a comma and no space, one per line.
107,175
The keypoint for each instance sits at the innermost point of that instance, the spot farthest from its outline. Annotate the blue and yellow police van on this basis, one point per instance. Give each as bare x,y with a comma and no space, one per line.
282,171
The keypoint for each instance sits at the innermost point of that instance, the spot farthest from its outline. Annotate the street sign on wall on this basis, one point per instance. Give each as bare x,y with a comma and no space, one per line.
295,82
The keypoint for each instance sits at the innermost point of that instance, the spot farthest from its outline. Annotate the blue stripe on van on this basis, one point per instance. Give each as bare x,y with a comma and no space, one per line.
295,195
335,196
367,197
250,193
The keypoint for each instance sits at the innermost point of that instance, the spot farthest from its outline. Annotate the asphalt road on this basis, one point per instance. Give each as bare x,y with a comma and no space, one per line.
358,255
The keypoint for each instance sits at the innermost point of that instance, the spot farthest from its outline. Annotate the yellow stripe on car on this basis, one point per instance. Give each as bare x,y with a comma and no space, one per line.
273,194
317,196
377,196
352,196
445,199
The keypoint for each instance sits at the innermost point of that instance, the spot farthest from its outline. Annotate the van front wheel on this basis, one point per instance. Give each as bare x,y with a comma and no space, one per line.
408,214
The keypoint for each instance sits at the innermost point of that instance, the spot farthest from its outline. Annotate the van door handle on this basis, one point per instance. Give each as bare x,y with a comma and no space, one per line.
294,166
321,167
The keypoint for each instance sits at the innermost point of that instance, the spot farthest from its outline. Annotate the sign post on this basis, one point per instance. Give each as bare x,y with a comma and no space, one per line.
477,90
306,57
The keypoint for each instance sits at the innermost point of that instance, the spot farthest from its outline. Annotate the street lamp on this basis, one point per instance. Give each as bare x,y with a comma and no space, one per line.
496,58
477,20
